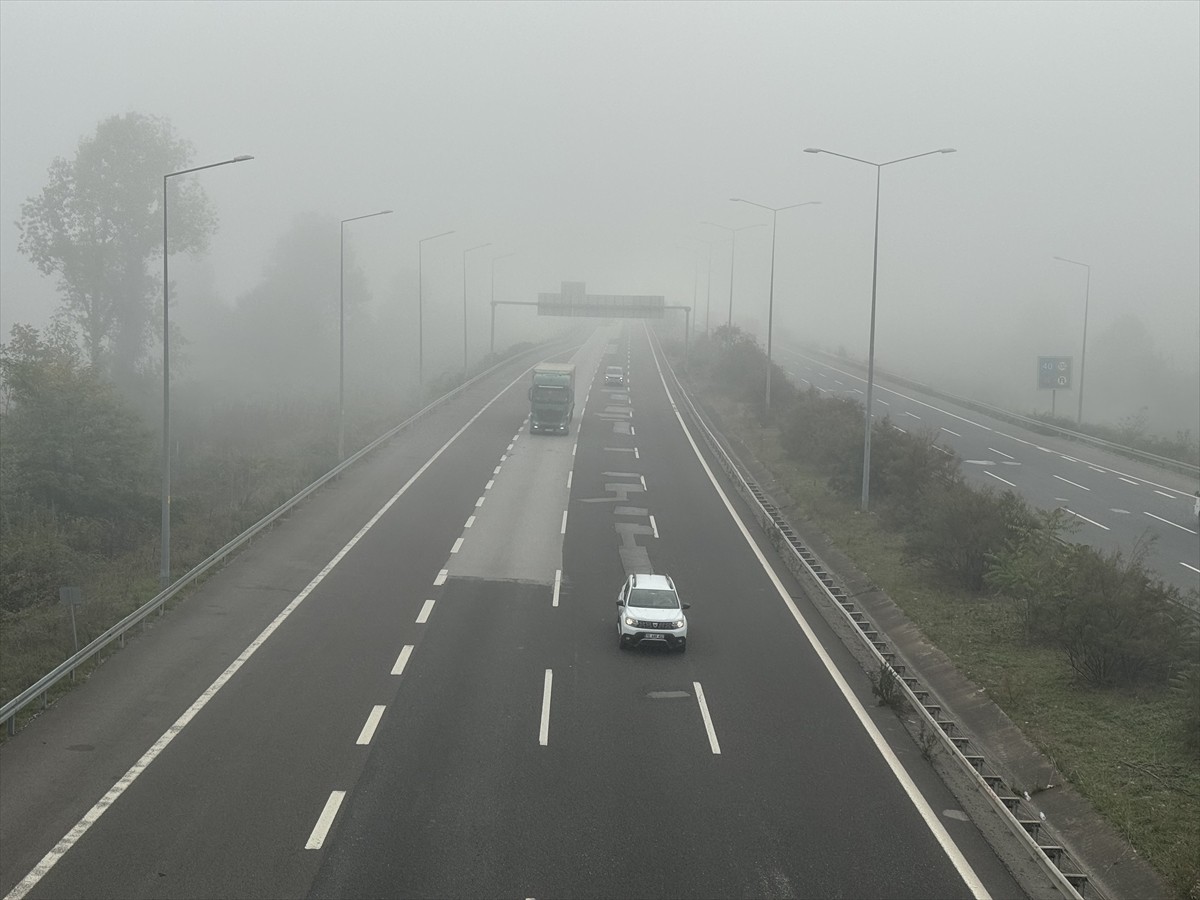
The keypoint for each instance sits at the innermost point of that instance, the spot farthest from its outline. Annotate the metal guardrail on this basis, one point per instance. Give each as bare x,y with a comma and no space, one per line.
786,543
1165,462
117,632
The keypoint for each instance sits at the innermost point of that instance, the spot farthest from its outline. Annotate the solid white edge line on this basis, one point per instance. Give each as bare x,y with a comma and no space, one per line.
325,821
708,723
1072,483
1086,519
998,478
426,609
654,526
368,729
544,728
1189,566
402,659
563,530
928,816
92,815
458,542
1169,522
557,586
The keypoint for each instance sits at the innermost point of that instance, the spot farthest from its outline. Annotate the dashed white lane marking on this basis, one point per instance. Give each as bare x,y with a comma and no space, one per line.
899,429
913,415
877,400
955,433
441,577
557,586
1000,452
574,447
325,821
654,526
426,609
632,433
1086,519
708,723
368,729
643,480
470,521
943,450
479,502
1072,483
1129,481
496,471
1189,566
636,454
544,728
402,659
488,486
90,818
503,457
1169,522
998,478
457,545
510,446
1165,494
569,476
563,530
516,437
1094,469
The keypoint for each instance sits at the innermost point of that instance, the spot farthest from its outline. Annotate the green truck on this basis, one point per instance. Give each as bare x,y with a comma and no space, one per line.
552,398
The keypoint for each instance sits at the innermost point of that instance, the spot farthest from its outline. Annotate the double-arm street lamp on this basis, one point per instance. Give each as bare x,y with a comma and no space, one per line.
866,482
492,340
732,259
775,210
1087,290
421,306
164,574
465,252
342,330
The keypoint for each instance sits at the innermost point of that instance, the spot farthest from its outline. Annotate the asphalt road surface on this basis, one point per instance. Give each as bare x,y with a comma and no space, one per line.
1116,503
413,688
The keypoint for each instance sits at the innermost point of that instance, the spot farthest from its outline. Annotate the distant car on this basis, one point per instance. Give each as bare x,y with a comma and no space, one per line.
649,611
614,375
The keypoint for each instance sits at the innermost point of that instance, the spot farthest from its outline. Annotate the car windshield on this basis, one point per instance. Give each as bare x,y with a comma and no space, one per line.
651,599
614,370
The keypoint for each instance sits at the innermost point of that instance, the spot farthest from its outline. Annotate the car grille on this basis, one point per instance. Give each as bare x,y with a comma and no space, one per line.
656,626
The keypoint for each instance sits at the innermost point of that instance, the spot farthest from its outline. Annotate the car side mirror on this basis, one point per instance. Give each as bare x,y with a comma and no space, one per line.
687,606
531,393
620,603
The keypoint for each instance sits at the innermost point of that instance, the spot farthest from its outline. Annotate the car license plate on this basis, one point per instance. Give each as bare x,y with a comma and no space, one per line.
653,637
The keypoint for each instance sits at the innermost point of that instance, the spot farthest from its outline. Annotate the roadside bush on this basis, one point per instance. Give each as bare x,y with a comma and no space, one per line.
956,529
826,432
1116,624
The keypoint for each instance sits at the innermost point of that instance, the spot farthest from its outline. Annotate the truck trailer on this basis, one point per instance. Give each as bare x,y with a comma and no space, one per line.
552,398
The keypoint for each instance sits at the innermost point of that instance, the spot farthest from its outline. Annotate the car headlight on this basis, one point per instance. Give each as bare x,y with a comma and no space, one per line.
679,623
629,620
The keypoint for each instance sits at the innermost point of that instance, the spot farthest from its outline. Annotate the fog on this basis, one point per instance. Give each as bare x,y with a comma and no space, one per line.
590,140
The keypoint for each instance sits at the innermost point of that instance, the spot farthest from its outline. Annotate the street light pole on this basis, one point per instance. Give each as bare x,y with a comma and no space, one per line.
1087,290
866,483
492,342
465,252
341,450
775,210
164,572
732,259
421,306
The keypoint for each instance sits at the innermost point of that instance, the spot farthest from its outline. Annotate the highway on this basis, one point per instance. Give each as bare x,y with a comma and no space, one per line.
1115,502
412,688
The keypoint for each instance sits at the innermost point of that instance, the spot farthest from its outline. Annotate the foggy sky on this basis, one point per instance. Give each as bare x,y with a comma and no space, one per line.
590,139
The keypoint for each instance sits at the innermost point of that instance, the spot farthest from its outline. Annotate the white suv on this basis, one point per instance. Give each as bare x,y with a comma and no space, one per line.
648,609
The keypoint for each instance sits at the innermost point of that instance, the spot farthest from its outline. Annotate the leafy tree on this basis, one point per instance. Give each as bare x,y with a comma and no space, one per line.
98,222
69,443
